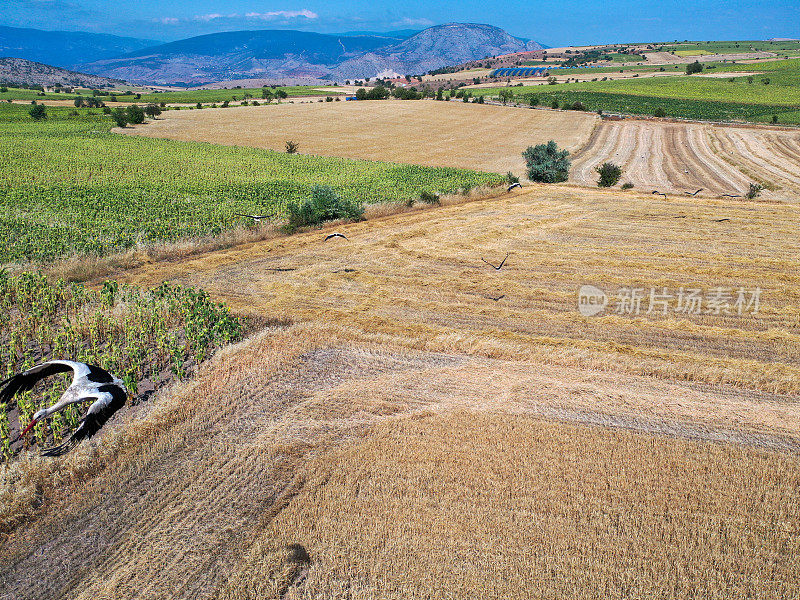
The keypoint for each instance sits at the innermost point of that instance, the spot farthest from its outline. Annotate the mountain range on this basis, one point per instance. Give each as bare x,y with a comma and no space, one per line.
284,56
65,49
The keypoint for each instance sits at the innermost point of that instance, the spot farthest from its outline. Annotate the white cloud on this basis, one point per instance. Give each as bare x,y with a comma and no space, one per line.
213,17
167,20
282,14
410,22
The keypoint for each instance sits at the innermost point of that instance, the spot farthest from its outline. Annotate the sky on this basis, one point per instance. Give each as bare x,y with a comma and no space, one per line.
550,22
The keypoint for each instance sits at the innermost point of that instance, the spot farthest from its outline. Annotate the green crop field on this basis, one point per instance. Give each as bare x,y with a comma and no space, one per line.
138,334
68,185
205,96
731,47
749,98
177,97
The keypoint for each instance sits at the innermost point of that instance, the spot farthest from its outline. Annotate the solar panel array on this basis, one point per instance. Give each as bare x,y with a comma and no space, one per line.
520,72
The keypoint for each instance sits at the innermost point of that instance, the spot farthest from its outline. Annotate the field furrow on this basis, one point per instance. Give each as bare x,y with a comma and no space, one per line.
684,157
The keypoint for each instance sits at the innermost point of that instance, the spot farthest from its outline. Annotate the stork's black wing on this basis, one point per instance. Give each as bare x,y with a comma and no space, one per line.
110,399
27,379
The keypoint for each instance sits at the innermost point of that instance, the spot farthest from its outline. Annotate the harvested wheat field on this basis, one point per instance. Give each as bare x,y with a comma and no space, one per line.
423,425
442,134
680,157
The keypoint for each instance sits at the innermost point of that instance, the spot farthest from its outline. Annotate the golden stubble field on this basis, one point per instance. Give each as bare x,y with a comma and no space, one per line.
655,155
441,134
424,425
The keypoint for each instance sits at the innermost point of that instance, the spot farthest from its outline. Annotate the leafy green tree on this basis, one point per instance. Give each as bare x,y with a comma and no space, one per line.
267,94
610,174
694,67
38,112
281,95
506,96
152,110
134,114
120,116
546,163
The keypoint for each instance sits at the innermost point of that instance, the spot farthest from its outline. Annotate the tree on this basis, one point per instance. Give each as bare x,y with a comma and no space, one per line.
152,110
439,94
38,112
546,163
134,114
281,95
610,174
506,96
267,94
694,67
119,116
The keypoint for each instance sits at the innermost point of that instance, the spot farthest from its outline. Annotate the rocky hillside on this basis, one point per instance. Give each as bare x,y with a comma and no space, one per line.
15,71
294,55
437,47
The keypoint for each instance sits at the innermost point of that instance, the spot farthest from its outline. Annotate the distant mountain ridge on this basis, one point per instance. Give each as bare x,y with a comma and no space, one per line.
65,48
298,55
15,71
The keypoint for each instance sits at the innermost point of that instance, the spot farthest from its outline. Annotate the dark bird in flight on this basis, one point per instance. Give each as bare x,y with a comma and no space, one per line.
731,196
497,268
659,193
333,235
721,220
497,298
514,185
88,383
255,218
694,194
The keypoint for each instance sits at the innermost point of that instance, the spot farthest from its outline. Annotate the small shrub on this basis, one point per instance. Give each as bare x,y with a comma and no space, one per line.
774,118
610,174
546,163
554,104
429,197
511,178
291,147
627,186
660,113
38,112
754,191
325,204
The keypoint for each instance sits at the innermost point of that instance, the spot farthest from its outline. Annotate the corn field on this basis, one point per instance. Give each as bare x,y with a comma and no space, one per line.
69,186
143,336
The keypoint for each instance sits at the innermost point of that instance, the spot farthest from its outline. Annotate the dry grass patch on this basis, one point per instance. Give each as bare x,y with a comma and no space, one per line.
495,506
417,279
442,134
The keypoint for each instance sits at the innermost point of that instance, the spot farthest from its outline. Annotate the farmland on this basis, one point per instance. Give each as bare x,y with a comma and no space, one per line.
679,157
473,441
743,97
69,185
170,97
421,132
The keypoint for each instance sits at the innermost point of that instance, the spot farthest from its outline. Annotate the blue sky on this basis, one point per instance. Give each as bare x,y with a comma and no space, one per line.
551,22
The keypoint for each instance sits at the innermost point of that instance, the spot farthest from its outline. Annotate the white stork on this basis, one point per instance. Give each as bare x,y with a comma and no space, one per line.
88,383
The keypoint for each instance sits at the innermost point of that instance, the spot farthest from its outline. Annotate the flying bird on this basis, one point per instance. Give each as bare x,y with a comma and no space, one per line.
500,297
497,268
659,193
333,235
695,194
514,185
721,220
88,383
255,218
731,196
